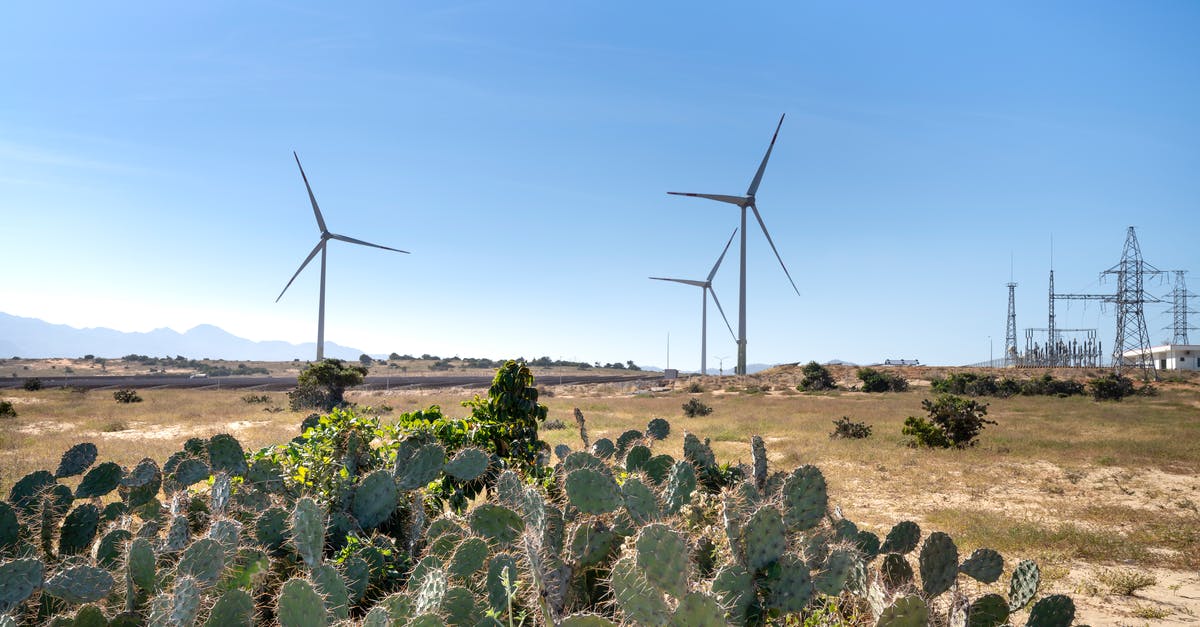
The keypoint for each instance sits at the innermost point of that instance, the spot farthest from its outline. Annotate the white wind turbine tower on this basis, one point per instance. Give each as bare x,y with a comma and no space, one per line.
706,289
320,247
743,202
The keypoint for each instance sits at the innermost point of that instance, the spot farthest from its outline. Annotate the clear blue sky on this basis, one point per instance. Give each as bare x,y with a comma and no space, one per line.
522,152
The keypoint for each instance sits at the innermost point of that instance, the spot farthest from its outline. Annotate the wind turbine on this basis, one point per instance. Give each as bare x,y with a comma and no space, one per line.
706,289
320,248
743,202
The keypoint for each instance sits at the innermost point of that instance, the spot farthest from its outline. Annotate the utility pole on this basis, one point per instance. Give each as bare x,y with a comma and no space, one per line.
1180,310
1010,333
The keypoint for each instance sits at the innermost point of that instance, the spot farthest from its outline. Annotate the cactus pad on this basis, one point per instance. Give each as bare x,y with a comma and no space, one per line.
332,588
658,429
189,471
139,564
634,596
510,492
1055,610
593,492
983,565
758,451
18,580
838,567
698,610
734,586
468,558
177,535
697,452
989,610
637,457
80,584
430,590
586,620
100,481
895,571
77,459
626,440
468,464
789,585
501,577
902,539
308,531
592,543
299,605
662,555
10,526
867,544
185,602
270,529
225,454
459,608
227,532
658,468
235,607
640,502
561,451
681,483
78,530
357,573
1024,584
26,494
90,616
603,448
909,611
938,563
423,467
141,485
109,550
804,498
375,499
377,617
496,523
764,538
581,459
204,560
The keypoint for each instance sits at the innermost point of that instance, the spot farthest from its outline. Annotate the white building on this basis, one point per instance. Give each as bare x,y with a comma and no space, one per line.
1170,356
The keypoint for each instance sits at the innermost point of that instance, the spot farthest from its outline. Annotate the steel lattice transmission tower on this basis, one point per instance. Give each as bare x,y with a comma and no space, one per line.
1010,335
1180,310
1131,298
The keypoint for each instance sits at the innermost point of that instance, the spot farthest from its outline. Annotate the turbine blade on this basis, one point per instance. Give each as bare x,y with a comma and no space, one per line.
733,200
358,241
762,167
316,209
722,310
307,259
684,281
721,258
776,250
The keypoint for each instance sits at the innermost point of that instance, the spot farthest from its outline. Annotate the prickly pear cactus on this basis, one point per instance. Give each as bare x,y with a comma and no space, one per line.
424,467
189,471
235,607
902,539
468,464
1023,585
100,481
658,429
141,485
496,523
639,601
18,580
833,576
139,563
77,459
909,611
662,555
626,440
983,565
697,452
758,451
332,588
764,538
203,560
989,610
78,530
698,610
804,498
10,526
681,483
640,502
80,584
637,457
308,530
108,551
375,499
1055,610
603,448
939,564
225,454
593,492
26,494
299,605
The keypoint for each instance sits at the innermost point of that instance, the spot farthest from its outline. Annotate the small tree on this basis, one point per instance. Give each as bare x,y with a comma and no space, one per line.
32,385
816,377
127,395
846,428
365,359
877,381
323,385
7,410
394,357
953,422
694,408
1111,387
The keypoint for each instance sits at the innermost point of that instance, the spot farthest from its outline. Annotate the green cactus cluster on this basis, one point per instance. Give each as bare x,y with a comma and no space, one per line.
616,533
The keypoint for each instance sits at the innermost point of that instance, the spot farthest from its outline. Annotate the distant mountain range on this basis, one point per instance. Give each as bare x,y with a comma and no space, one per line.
33,338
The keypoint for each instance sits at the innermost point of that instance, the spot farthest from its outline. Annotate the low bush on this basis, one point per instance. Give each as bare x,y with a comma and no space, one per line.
693,387
694,408
1111,387
846,428
127,395
1126,582
32,385
816,378
877,381
554,424
251,399
1047,385
7,410
952,421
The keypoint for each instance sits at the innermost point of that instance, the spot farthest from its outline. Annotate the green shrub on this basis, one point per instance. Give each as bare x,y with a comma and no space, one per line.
694,408
554,424
1111,387
845,428
7,410
251,399
127,395
693,387
877,381
816,378
953,421
32,385
323,385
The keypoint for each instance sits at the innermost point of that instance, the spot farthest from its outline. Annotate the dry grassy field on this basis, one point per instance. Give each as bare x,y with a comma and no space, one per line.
1099,493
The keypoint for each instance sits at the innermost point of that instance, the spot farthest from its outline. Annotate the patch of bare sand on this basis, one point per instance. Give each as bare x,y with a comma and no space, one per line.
143,431
43,427
23,400
1177,593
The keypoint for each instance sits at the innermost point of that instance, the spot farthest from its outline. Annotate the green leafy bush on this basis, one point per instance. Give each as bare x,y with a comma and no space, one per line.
877,381
694,407
7,410
816,378
845,428
127,395
1047,385
32,385
251,399
952,421
1111,387
323,385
